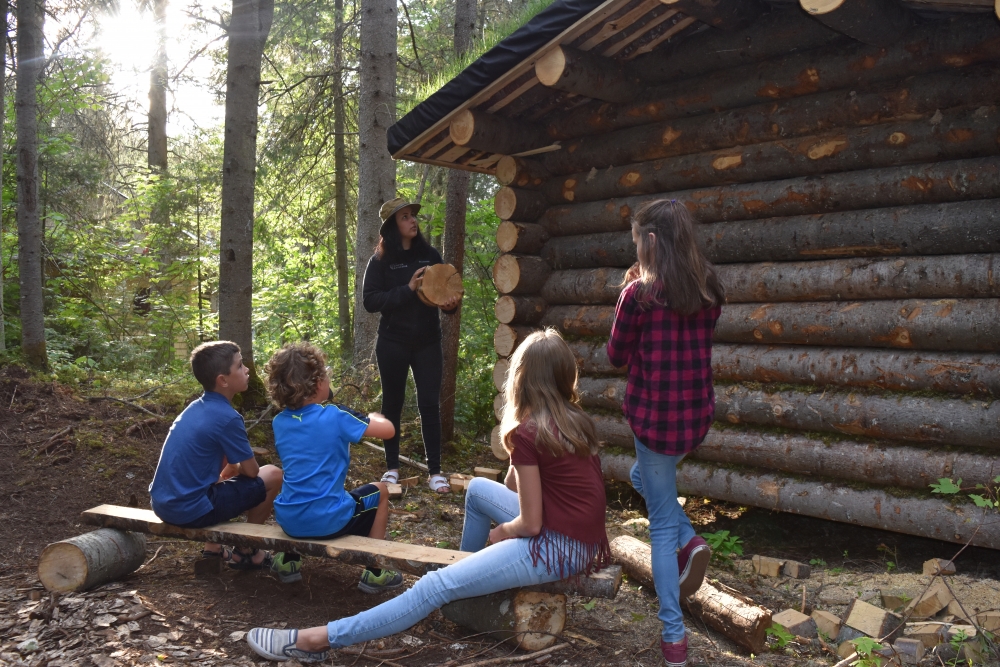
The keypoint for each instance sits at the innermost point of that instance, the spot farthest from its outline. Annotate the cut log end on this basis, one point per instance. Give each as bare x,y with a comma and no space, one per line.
461,128
497,446
500,373
439,284
818,7
90,559
549,68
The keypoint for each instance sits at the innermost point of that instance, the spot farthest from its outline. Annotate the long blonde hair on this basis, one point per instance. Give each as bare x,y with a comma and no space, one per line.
672,268
541,388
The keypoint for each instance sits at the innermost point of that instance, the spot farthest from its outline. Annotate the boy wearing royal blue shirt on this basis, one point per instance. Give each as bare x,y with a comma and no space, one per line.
313,442
207,473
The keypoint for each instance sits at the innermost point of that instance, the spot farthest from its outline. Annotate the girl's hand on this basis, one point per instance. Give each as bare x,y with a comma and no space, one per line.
413,280
498,534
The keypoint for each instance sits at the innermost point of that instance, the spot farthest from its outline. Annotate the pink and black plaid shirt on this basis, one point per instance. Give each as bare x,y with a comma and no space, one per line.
669,401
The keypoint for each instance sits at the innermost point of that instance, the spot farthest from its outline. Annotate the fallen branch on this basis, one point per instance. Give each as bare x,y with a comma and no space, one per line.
157,553
404,459
518,658
123,401
65,431
270,406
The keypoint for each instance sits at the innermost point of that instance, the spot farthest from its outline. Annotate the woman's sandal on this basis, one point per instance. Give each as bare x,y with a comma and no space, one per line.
245,561
439,484
390,477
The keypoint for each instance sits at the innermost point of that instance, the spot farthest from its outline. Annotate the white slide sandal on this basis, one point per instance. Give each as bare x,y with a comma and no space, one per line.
439,484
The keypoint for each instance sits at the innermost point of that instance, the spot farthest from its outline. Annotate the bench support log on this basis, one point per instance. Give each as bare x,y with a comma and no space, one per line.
90,559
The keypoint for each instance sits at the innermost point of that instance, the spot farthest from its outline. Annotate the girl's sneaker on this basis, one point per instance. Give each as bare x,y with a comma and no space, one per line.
692,563
288,566
376,583
675,653
279,645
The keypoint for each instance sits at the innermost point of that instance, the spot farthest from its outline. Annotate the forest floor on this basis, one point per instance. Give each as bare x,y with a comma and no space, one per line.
107,452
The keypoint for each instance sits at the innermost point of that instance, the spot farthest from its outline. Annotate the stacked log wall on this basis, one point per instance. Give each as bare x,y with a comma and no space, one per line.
849,196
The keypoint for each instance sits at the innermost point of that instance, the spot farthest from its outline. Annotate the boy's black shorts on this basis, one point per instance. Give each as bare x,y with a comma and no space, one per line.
366,499
230,499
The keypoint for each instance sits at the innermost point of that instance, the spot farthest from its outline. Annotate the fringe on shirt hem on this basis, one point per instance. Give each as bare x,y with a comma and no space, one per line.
572,557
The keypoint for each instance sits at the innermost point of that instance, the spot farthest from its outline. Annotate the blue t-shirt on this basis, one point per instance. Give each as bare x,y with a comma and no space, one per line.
191,459
314,445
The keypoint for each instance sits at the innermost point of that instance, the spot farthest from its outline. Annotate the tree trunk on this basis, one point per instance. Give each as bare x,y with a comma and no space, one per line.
931,277
956,421
90,559
875,22
895,370
30,62
516,204
521,237
4,8
520,274
520,172
156,153
534,619
962,133
776,34
964,42
484,131
872,463
506,338
953,325
519,309
585,286
763,122
376,170
580,320
957,180
586,73
340,189
722,14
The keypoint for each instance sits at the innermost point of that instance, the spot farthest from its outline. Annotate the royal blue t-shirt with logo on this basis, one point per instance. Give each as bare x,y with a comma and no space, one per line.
191,460
314,445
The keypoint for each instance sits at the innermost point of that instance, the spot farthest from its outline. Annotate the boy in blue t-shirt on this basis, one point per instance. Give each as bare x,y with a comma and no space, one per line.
207,473
314,442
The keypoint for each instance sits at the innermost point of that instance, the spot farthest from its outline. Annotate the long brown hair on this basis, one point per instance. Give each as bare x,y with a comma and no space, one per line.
541,387
673,271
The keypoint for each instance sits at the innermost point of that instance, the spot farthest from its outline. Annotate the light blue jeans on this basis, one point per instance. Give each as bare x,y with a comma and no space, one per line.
654,476
491,569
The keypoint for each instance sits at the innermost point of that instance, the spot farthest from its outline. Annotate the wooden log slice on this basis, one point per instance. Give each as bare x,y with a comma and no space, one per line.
90,559
520,172
520,309
438,284
526,238
519,204
500,373
497,446
506,338
875,22
534,619
520,274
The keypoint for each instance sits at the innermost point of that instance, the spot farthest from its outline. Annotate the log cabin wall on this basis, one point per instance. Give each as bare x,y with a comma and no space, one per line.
850,196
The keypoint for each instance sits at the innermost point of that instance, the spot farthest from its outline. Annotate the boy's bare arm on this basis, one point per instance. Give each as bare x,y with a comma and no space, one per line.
250,467
379,427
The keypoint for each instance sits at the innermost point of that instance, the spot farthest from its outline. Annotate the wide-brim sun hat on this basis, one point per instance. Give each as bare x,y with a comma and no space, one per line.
391,207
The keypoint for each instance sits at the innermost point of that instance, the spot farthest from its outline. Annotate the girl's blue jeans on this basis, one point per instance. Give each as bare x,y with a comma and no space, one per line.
654,476
491,569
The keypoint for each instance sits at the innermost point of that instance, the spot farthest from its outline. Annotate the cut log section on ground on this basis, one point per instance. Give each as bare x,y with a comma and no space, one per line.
952,325
721,14
586,73
506,338
875,22
518,204
487,132
908,185
932,277
519,309
520,172
534,619
729,612
520,274
91,559
946,421
525,238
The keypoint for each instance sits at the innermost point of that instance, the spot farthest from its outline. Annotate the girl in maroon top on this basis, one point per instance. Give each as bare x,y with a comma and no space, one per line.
549,514
663,333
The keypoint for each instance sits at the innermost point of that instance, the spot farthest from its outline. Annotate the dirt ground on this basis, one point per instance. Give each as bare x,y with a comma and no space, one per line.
61,453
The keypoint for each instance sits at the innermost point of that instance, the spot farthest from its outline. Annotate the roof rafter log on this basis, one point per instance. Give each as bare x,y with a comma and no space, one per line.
521,237
520,172
969,40
520,274
767,121
963,132
588,74
776,34
518,204
932,229
875,22
483,131
897,370
722,14
939,182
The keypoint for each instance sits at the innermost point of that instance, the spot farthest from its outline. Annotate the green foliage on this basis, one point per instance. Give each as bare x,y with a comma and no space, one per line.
988,499
946,486
865,647
817,562
780,635
589,606
725,547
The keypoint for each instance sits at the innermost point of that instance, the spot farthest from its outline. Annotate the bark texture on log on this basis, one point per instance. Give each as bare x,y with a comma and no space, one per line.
722,14
875,508
506,338
635,558
960,422
964,41
534,619
763,122
954,180
897,370
521,237
488,132
90,559
498,404
518,204
580,320
520,274
520,172
614,431
585,286
592,358
872,463
961,133
601,584
586,73
519,309
601,393
875,22
932,277
731,613
952,325
610,249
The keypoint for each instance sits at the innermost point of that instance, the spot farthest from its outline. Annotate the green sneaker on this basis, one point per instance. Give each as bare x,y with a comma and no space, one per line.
288,567
370,583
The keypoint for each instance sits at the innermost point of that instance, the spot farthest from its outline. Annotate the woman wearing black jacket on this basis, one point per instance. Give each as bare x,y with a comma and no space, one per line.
409,332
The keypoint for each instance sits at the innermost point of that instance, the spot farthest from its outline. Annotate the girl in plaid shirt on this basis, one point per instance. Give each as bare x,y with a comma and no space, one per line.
663,333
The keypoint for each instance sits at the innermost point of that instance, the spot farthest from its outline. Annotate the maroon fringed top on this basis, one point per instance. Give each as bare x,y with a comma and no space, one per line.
573,506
